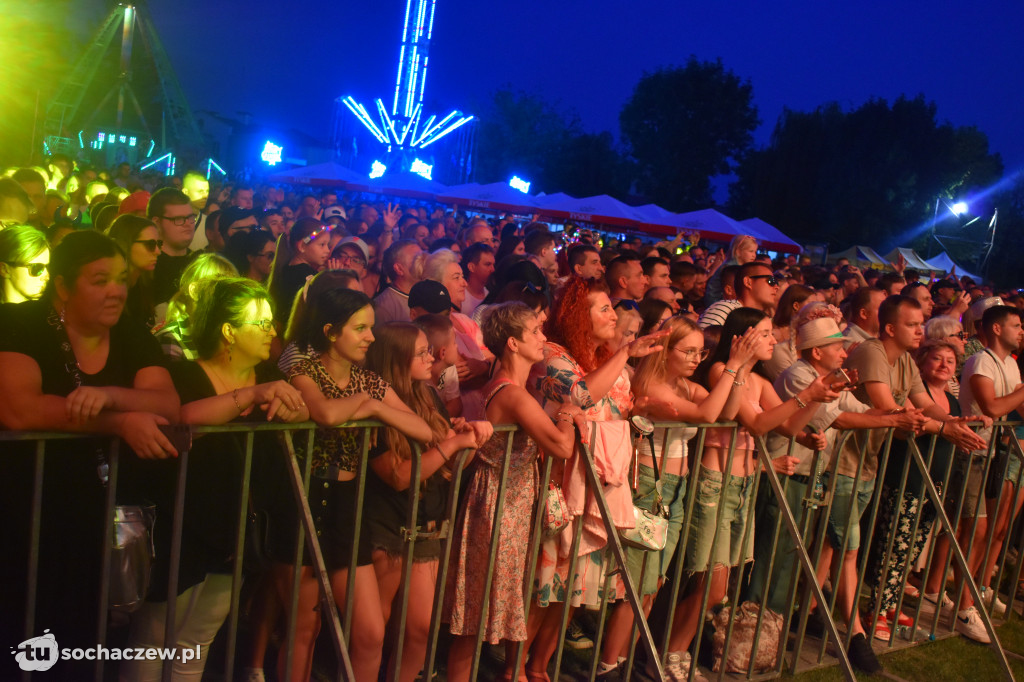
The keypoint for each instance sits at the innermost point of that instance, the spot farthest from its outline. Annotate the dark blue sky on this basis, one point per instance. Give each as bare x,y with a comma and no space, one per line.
286,62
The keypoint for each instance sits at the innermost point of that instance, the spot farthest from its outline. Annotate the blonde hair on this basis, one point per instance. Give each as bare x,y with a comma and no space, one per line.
737,243
651,369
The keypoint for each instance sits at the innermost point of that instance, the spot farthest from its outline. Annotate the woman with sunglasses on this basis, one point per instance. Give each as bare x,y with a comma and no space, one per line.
231,382
23,258
298,257
663,390
252,252
402,357
140,240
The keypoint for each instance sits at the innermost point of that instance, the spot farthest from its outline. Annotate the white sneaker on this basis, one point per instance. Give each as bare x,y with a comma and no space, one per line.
930,602
677,668
968,623
992,601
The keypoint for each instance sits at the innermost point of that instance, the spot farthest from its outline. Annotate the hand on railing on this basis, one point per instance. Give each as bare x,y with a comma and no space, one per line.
141,430
960,435
280,399
910,419
984,420
785,465
814,441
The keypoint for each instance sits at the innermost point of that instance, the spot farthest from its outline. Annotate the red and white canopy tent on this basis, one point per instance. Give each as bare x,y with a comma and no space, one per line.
769,236
599,210
710,223
496,197
328,174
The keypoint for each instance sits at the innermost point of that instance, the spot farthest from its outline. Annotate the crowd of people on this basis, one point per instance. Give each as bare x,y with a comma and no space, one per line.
127,308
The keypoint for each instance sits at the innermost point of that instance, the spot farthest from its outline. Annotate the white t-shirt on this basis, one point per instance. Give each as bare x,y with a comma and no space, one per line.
717,312
1005,377
470,303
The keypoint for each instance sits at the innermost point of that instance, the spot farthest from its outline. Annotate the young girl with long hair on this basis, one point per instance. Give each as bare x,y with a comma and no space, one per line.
299,256
140,241
337,389
402,357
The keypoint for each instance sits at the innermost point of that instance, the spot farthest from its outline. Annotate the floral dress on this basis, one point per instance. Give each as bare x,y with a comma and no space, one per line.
464,596
563,380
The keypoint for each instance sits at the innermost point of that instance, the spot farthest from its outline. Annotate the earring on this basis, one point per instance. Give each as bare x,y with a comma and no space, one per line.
232,345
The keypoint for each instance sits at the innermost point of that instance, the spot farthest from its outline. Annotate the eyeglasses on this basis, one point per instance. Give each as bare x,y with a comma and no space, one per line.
150,245
427,354
180,220
958,335
265,325
268,255
315,234
355,260
699,353
627,304
770,279
34,269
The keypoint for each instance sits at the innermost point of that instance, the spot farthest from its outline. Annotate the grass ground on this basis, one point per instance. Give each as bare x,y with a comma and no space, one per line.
951,659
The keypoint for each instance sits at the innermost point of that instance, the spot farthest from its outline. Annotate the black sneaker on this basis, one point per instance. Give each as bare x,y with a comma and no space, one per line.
815,624
862,656
575,638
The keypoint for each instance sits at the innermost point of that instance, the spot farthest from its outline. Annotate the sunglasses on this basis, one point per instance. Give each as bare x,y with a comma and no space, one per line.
34,269
770,279
151,245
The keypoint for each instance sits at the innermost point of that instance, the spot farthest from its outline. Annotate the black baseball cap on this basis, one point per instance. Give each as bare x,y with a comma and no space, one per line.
431,296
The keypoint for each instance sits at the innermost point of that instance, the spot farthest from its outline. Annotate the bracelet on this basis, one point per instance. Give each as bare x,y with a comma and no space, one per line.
942,427
737,382
730,371
234,396
801,404
561,412
443,456
563,421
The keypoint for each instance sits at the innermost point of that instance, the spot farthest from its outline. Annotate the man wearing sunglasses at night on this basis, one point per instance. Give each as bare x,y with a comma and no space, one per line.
172,212
756,287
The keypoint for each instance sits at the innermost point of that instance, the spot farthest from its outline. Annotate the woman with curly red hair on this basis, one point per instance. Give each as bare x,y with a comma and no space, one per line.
578,368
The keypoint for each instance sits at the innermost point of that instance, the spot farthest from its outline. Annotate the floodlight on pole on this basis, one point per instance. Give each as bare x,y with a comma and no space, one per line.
959,208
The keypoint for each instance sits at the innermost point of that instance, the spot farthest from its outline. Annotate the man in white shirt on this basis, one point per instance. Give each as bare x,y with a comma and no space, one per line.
401,265
990,385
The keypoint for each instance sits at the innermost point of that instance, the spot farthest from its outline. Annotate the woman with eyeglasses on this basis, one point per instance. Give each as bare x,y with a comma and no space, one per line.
23,258
70,361
298,257
231,382
759,410
339,328
402,357
663,390
140,240
252,253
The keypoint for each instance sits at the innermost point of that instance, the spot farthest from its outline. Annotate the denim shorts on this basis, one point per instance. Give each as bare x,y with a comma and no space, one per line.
730,548
673,492
842,514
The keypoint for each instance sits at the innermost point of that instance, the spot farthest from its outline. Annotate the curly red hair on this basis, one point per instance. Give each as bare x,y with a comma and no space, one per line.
569,323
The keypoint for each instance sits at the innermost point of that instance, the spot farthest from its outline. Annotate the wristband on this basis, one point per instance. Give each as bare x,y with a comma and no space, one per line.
801,404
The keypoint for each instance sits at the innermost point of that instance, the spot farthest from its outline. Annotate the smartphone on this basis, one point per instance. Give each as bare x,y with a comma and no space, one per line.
842,376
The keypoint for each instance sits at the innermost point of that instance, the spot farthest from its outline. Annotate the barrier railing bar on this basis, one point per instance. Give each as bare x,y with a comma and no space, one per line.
954,548
492,553
409,536
300,538
177,523
318,566
108,516
236,569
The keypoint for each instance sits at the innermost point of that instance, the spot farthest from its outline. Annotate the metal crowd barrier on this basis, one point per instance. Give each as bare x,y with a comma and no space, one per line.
800,526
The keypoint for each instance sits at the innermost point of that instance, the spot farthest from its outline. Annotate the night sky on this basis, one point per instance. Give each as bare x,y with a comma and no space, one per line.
286,62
